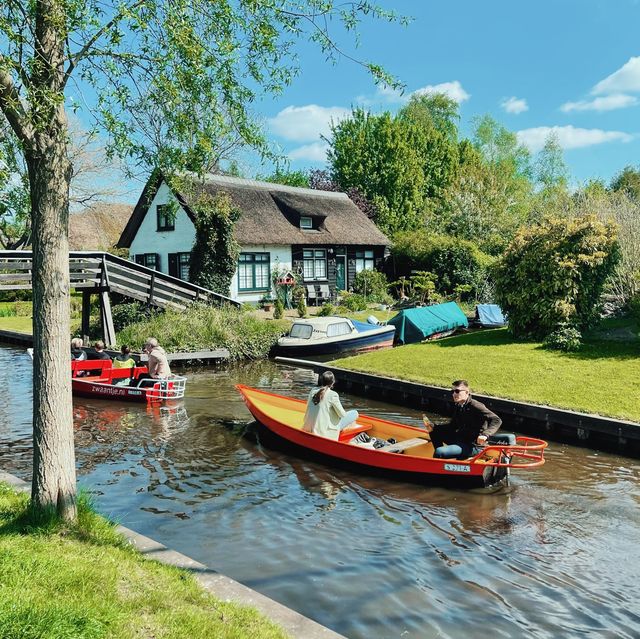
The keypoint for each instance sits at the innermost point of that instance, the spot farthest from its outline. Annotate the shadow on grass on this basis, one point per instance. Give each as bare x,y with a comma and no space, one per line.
595,346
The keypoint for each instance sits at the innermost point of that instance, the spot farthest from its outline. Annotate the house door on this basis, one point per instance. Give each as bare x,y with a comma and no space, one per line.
341,272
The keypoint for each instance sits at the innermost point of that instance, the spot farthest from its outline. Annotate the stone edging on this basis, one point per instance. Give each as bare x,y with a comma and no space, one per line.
294,624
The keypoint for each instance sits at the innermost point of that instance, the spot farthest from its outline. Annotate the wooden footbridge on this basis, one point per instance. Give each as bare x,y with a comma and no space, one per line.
101,274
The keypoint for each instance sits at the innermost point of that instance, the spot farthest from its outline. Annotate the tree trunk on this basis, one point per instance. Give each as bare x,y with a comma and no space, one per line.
54,473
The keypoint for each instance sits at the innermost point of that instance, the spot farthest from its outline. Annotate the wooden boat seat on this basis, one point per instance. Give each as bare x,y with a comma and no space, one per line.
352,431
400,447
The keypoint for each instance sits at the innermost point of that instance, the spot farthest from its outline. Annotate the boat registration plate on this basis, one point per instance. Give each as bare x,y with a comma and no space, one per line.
458,468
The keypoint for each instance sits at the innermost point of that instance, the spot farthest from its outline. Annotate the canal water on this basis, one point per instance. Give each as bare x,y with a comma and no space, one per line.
556,555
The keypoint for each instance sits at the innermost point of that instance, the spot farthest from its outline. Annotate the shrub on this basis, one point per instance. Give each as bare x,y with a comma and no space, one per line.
353,302
372,285
125,314
634,306
552,275
452,260
565,338
327,309
206,328
302,307
278,309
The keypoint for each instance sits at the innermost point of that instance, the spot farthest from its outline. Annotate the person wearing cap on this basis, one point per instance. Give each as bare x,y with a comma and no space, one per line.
470,427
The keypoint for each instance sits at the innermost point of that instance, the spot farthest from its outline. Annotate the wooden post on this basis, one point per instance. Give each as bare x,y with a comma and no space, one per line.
151,287
108,331
86,316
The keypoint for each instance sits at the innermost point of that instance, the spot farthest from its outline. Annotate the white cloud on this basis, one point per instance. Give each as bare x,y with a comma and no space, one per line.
306,123
569,137
388,95
625,79
452,89
314,152
514,105
605,103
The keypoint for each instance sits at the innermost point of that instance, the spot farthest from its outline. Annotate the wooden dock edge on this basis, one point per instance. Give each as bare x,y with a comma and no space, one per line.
547,422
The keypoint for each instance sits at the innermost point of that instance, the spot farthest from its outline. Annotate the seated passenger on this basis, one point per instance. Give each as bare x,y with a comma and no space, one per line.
77,352
124,360
98,351
325,415
158,364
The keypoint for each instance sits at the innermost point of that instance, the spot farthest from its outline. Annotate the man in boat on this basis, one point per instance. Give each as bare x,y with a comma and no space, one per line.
158,364
470,427
98,351
77,352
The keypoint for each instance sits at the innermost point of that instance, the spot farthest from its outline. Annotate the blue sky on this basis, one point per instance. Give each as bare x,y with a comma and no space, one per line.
568,65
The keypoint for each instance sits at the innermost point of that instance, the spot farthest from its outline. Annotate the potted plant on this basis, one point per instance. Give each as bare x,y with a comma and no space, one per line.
266,302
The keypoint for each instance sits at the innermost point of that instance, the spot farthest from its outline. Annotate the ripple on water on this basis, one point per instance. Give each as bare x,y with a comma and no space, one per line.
555,556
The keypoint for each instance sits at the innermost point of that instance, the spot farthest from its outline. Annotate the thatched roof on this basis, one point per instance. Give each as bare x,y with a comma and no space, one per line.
98,227
270,214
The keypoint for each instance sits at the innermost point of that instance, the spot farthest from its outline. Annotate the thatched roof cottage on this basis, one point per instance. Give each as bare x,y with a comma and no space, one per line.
320,236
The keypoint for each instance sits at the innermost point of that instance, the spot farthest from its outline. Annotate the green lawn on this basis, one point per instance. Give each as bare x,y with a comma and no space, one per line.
598,379
85,582
19,324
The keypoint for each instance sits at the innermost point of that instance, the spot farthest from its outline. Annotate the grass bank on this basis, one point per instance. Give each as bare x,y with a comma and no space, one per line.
85,582
206,328
599,379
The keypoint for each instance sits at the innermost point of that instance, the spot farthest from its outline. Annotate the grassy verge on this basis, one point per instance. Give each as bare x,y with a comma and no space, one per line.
85,582
18,324
205,328
598,379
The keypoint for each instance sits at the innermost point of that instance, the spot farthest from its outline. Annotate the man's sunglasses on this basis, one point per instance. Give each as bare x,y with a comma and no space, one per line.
458,390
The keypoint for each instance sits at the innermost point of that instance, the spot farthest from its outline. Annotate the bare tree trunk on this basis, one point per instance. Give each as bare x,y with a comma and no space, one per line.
54,473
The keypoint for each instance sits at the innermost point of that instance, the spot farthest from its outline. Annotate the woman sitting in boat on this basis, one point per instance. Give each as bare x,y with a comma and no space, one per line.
124,360
76,349
325,415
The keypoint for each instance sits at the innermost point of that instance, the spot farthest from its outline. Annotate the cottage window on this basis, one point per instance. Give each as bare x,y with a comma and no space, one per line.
179,265
315,264
253,272
364,261
306,223
150,260
166,221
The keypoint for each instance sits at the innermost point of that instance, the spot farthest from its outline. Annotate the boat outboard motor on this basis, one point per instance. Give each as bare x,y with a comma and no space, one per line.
372,319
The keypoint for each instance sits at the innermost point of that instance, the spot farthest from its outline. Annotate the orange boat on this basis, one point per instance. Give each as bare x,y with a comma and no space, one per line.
410,456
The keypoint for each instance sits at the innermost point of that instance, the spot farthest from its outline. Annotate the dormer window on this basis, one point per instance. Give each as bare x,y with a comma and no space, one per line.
166,221
306,222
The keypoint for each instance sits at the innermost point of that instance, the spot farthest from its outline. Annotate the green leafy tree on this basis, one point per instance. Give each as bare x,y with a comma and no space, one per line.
552,275
552,177
289,178
215,252
170,82
433,111
628,182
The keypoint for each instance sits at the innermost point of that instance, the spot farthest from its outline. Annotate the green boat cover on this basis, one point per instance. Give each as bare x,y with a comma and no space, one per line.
416,324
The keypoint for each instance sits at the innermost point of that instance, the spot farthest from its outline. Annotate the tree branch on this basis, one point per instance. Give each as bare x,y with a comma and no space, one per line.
12,107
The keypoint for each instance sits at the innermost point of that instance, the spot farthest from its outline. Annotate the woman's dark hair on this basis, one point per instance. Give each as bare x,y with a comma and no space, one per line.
326,380
125,350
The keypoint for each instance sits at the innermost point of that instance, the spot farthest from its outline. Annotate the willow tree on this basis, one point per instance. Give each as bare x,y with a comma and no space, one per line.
167,80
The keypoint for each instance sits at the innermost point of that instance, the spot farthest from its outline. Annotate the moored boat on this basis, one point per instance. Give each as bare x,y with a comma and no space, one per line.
330,335
409,454
99,379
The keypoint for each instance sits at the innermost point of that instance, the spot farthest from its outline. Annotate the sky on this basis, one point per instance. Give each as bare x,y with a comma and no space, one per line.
568,66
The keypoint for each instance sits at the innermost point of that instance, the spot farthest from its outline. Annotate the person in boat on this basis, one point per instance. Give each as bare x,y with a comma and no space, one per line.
325,415
77,352
98,351
470,427
158,364
124,359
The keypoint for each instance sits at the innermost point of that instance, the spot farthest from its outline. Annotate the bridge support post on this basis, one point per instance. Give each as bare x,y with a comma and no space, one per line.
108,331
86,316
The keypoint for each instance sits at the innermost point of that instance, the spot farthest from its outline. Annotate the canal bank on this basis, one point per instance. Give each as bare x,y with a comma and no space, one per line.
295,625
542,421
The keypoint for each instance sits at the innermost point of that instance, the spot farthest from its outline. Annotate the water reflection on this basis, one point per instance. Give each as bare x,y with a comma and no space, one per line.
554,556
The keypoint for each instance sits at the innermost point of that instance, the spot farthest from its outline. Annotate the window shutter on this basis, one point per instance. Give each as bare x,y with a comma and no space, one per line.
157,261
139,259
173,265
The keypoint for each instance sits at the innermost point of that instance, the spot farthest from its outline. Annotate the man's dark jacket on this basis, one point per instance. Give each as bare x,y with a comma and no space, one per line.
469,420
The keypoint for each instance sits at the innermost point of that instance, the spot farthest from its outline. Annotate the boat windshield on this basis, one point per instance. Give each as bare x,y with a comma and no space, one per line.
342,328
301,331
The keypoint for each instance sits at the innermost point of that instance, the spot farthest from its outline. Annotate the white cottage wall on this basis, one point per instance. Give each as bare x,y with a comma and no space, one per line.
149,240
